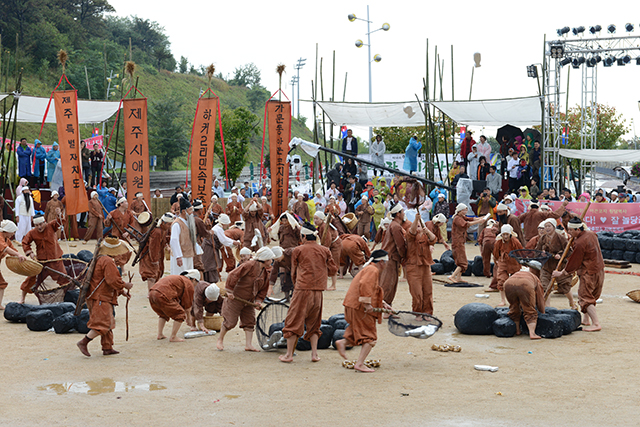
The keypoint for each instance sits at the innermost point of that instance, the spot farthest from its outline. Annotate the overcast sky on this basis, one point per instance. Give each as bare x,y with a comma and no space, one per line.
508,34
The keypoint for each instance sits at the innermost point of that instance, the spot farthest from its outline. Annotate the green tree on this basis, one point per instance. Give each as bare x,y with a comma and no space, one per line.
239,127
183,65
247,76
257,96
396,139
610,126
168,139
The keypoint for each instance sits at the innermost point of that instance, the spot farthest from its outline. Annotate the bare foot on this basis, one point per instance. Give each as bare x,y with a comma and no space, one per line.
1,307
161,337
341,346
175,339
502,304
586,324
286,359
315,358
252,348
535,337
193,328
331,289
594,328
220,345
363,368
21,301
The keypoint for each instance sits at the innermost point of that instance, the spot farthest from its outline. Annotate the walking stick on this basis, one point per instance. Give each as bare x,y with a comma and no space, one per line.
126,309
564,255
119,229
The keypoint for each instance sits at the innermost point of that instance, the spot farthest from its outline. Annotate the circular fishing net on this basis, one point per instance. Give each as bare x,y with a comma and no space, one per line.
269,324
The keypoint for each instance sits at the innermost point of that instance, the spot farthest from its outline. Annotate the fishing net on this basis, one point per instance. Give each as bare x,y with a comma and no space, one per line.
269,325
412,324
530,257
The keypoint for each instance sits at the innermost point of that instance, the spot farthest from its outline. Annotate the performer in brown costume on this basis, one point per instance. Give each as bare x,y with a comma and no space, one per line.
554,244
206,297
7,231
249,281
121,216
151,265
281,268
53,209
505,265
329,238
171,298
223,242
234,209
105,287
459,237
355,252
418,266
236,233
396,246
96,216
267,211
535,216
363,296
311,266
301,209
486,240
47,248
434,226
288,231
253,221
525,295
587,261
505,217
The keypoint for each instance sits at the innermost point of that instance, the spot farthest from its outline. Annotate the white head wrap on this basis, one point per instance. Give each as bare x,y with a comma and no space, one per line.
319,215
439,218
8,226
502,207
168,217
224,219
245,251
121,201
545,208
55,193
94,194
38,219
277,251
397,208
264,254
507,229
461,207
212,292
192,274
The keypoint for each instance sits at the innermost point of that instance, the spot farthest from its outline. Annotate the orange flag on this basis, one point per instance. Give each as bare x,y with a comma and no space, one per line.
202,141
279,136
136,145
66,105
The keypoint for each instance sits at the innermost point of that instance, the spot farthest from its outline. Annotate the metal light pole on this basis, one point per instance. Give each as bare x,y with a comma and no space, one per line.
298,66
294,82
377,58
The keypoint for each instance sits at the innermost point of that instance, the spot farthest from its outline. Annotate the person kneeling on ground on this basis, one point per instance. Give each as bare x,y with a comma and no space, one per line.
524,293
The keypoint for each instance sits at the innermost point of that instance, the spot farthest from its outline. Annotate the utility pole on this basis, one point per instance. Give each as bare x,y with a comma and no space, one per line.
294,82
298,67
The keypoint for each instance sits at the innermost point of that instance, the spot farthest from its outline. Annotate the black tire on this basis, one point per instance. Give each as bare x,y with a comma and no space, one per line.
41,320
448,264
275,327
58,309
469,269
606,254
478,266
338,334
437,268
82,320
447,253
340,324
65,323
85,256
630,245
637,260
630,256
606,243
549,326
303,345
74,256
620,244
504,327
333,319
326,338
17,313
617,255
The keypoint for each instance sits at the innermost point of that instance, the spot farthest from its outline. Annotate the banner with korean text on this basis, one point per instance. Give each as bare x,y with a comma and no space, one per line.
279,114
202,144
66,105
136,145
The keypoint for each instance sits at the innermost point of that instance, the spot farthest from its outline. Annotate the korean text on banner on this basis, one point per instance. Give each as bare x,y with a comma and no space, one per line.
66,105
203,138
279,136
136,145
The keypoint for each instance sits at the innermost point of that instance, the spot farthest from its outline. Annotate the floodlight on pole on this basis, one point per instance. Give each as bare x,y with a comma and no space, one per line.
563,31
611,28
578,30
377,58
595,29
628,27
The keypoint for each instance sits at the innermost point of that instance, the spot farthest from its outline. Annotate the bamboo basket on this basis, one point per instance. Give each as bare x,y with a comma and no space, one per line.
634,295
213,322
350,220
28,267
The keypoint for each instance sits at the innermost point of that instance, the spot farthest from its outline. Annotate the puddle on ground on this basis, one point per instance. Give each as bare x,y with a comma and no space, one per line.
105,385
232,396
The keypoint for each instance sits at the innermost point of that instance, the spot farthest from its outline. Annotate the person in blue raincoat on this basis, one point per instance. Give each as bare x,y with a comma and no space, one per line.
108,200
39,161
24,159
411,155
52,160
434,193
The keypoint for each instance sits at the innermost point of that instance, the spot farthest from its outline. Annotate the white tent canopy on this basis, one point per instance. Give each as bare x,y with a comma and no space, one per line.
31,109
492,112
611,156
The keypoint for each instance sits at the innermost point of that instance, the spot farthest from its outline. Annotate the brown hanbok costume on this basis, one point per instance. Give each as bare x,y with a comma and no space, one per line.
354,251
531,219
587,261
524,293
227,252
331,240
47,248
253,221
553,245
487,240
96,216
282,269
288,236
458,239
364,289
250,283
418,268
394,243
505,265
234,210
152,263
302,210
364,212
200,303
171,297
122,220
311,265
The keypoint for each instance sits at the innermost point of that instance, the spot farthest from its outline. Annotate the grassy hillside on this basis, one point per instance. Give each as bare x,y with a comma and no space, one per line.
156,85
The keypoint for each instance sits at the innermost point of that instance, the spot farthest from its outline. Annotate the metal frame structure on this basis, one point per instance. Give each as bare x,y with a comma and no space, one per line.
586,53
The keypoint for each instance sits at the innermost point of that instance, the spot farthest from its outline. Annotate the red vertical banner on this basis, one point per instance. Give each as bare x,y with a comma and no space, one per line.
136,145
279,119
202,140
66,105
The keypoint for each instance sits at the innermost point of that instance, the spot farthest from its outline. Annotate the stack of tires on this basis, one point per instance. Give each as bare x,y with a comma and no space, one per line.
446,265
623,246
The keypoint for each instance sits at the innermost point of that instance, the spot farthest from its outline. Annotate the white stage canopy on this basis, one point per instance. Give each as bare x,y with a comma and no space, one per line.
31,109
491,112
611,156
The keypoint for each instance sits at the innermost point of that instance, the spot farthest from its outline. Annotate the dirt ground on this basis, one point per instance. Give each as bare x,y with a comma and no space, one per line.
588,379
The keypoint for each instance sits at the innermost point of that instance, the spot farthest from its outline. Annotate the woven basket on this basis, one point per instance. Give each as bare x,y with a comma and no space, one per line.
213,322
28,267
350,220
634,295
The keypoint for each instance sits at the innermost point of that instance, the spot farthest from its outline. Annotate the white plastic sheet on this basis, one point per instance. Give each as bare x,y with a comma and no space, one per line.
31,109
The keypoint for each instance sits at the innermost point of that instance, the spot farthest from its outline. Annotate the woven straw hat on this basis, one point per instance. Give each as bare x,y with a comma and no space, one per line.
112,246
27,267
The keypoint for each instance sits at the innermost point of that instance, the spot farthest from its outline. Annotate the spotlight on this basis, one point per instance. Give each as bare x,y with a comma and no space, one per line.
565,61
628,27
611,28
557,50
577,62
562,31
638,60
359,43
532,71
385,26
352,17
595,29
377,58
578,30
591,62
608,61
626,59
620,62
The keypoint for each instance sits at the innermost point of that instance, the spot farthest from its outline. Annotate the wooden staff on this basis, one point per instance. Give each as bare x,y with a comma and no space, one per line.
84,289
126,308
564,255
119,229
223,293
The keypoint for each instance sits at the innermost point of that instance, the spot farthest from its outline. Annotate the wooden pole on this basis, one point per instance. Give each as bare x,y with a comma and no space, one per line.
86,74
344,94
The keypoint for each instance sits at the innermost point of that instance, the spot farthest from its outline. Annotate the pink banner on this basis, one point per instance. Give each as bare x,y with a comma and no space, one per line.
615,217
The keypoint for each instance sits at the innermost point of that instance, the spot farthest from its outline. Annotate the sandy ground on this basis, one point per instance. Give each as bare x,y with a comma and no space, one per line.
588,379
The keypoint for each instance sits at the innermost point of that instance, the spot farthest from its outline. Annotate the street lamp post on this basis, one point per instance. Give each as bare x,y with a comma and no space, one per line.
294,82
299,66
377,58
